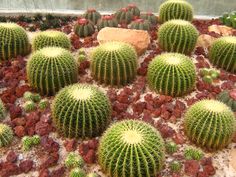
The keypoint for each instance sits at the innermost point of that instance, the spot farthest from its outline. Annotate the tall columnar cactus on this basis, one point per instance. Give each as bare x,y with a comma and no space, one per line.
50,69
223,53
150,17
81,111
177,36
229,98
51,38
131,148
6,135
175,9
134,10
114,63
2,110
84,28
14,41
92,15
171,74
140,24
124,16
210,124
107,21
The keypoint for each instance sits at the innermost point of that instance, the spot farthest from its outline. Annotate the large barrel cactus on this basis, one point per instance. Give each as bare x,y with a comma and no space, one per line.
223,53
175,9
51,38
107,21
177,36
92,15
171,74
14,41
210,124
124,16
114,63
2,110
50,69
84,28
229,98
81,110
6,135
131,148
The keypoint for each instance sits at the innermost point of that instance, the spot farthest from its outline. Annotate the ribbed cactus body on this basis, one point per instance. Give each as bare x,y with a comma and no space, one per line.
6,135
134,10
107,21
51,38
81,111
124,16
175,9
223,53
150,17
131,148
92,15
228,97
171,74
177,36
114,63
84,28
2,110
14,41
140,24
210,124
50,69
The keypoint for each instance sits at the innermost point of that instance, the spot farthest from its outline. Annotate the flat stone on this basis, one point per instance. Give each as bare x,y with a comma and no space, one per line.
233,158
138,38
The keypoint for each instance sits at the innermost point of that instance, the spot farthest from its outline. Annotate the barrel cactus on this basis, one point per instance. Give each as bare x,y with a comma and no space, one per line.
6,135
84,28
171,74
150,17
229,98
140,24
177,36
131,148
175,166
14,41
223,53
74,160
229,19
210,124
124,16
81,110
134,10
92,15
51,38
114,63
50,69
175,9
107,21
77,172
2,110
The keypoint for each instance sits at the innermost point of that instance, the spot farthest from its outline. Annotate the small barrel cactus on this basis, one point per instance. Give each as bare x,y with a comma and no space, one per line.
150,17
14,41
74,160
172,74
175,9
171,147
50,69
124,16
175,166
84,28
114,63
210,124
28,96
77,172
92,15
134,10
140,24
177,36
2,110
81,110
29,106
6,135
26,143
193,154
107,21
223,53
43,104
51,38
229,19
228,97
131,148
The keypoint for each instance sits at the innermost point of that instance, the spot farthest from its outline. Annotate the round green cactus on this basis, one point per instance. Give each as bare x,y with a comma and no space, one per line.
114,63
175,9
92,15
84,28
171,147
51,38
26,143
2,110
6,135
28,96
210,124
150,17
223,53
172,74
14,41
140,24
193,154
50,69
124,16
77,172
175,166
131,148
228,97
43,104
134,10
36,139
177,36
29,106
81,110
74,160
107,21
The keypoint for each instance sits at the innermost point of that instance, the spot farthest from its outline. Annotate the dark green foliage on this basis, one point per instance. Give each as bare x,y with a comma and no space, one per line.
6,135
124,16
140,24
134,10
229,19
229,98
107,21
84,28
150,17
92,15
2,110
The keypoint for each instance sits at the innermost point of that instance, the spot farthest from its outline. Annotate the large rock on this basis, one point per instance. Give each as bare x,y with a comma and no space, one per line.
138,38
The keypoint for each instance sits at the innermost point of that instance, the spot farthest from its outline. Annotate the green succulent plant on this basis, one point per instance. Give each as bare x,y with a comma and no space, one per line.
84,28
134,10
43,104
2,110
6,135
92,175
28,142
36,139
107,21
175,9
14,41
114,63
81,110
50,69
193,154
171,147
229,98
140,24
51,38
131,148
123,16
74,160
171,74
150,17
92,15
36,97
29,106
207,79
28,96
223,53
77,172
82,51
210,124
229,19
81,58
177,36
175,166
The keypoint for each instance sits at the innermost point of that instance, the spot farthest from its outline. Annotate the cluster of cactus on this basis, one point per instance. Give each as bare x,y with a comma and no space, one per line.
6,135
140,24
131,148
177,36
74,160
175,9
84,28
229,98
175,166
171,147
81,110
209,75
107,21
229,19
114,63
14,41
51,38
193,154
223,53
50,69
134,10
150,17
92,15
123,16
28,142
171,74
210,124
2,110
29,96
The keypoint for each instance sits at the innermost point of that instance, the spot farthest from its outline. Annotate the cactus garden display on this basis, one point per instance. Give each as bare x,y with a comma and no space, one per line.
2,110
6,135
150,17
124,16
107,21
92,15
229,98
84,28
229,19
140,24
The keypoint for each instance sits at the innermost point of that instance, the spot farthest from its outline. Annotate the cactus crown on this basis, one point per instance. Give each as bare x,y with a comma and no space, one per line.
2,110
6,135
